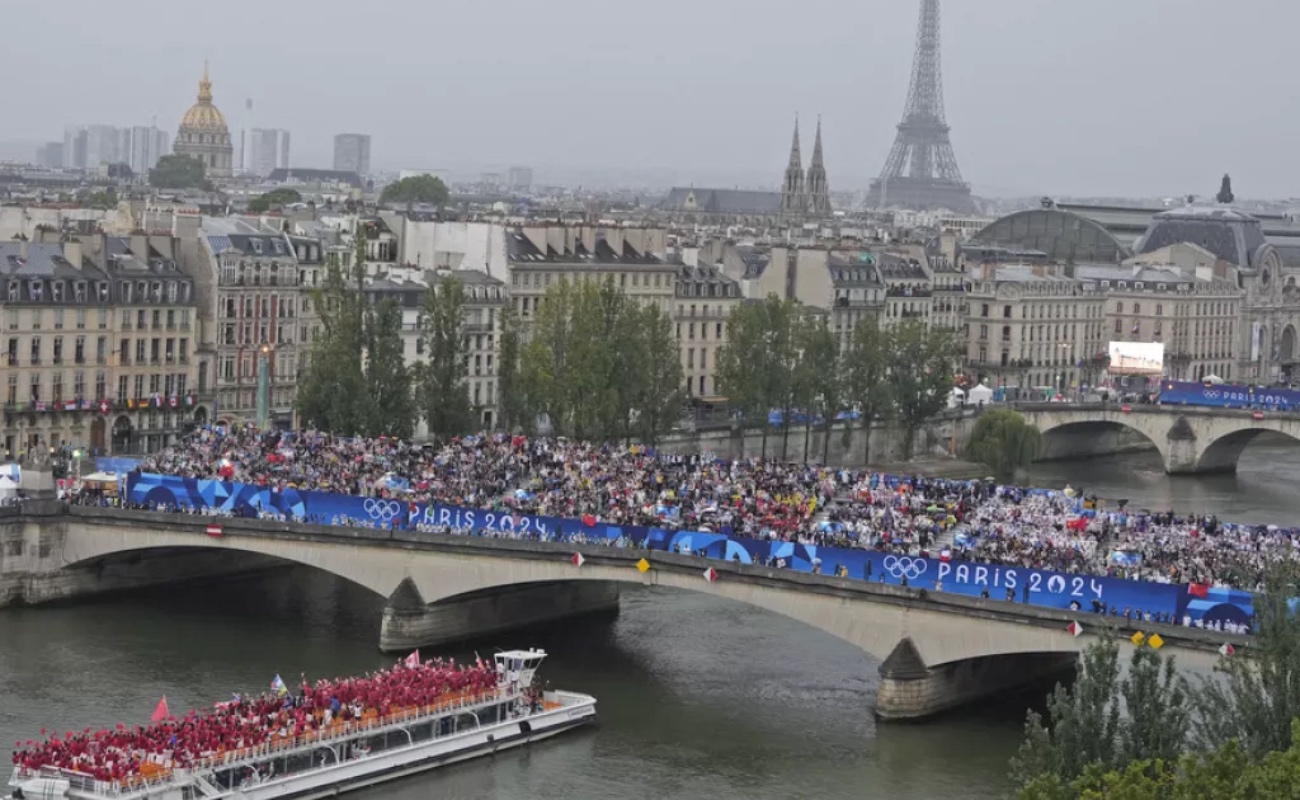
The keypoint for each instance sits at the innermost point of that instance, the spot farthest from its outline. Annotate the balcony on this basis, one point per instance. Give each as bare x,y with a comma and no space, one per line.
101,360
36,361
57,360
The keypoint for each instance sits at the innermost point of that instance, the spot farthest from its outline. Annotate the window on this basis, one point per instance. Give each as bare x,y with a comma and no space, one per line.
58,318
78,385
81,319
36,349
101,384
122,388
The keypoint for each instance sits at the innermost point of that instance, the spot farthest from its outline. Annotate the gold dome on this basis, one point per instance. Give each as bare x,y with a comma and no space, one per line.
203,116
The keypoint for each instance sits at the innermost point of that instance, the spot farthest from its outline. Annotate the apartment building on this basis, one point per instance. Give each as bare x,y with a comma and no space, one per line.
705,299
539,256
99,344
254,289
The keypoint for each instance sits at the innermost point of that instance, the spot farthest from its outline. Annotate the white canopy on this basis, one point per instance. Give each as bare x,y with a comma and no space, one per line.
7,487
979,395
100,477
1214,379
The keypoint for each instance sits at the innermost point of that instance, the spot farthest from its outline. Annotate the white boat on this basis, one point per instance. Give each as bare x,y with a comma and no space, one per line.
361,754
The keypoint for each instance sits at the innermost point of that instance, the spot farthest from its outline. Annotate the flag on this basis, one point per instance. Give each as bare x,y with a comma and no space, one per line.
945,554
278,687
1227,649
413,660
1198,590
160,712
214,529
1075,629
578,560
710,574
643,566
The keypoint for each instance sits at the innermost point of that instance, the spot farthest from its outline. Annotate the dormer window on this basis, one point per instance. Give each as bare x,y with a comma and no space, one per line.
257,246
79,291
35,291
157,291
13,291
56,291
142,291
278,245
126,291
102,287
171,291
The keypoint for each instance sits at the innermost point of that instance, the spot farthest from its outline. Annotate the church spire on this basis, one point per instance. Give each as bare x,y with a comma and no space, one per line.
205,85
819,195
792,188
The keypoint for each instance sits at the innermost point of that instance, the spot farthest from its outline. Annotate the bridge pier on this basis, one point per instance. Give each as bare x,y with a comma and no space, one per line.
911,691
410,623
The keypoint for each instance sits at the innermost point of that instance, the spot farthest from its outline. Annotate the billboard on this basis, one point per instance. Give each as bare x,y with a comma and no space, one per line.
1136,358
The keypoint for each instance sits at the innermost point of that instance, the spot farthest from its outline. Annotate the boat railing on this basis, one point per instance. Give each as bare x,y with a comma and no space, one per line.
339,730
166,774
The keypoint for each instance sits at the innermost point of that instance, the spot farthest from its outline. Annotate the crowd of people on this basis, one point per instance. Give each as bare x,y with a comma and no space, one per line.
126,754
807,504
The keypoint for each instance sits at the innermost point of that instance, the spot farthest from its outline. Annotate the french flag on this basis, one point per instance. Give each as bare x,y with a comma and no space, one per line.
214,530
945,555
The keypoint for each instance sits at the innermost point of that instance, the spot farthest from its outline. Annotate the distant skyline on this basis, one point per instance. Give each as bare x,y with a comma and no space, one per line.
1109,97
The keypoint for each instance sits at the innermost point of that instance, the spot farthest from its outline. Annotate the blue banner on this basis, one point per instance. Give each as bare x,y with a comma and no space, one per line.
1113,596
1226,395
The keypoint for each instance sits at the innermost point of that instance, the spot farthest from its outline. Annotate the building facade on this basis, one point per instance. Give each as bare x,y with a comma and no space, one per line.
203,134
705,298
255,289
352,153
99,345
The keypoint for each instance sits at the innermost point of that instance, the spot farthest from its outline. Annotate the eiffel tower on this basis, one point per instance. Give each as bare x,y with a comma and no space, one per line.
921,171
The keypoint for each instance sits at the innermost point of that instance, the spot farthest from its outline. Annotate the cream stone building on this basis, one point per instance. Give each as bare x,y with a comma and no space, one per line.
99,340
705,299
204,134
1049,327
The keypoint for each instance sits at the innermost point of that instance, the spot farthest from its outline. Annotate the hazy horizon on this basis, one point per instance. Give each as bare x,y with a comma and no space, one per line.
1103,98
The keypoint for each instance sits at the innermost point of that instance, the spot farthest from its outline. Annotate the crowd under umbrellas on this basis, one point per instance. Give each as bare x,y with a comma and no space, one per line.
128,754
807,504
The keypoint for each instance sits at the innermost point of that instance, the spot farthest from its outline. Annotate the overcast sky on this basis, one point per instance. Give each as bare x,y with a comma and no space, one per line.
1100,97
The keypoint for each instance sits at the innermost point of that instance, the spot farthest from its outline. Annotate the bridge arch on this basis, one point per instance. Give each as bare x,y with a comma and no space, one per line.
1065,438
1223,453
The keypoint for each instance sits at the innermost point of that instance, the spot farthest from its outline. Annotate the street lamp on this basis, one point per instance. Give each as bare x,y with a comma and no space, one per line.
264,387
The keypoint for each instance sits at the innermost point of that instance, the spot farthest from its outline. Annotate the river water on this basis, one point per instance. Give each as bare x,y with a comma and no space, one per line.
699,697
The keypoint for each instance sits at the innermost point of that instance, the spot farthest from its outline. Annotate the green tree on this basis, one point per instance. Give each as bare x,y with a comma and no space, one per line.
599,365
1003,441
1228,772
276,198
178,172
415,189
756,365
866,380
1256,693
332,389
444,393
920,369
1085,730
659,397
390,408
510,389
817,374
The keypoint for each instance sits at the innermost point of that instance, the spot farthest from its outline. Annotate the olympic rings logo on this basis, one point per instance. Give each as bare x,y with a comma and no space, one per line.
1211,394
382,510
906,567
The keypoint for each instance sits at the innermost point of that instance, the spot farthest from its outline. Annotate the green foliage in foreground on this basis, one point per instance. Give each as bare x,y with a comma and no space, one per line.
1228,773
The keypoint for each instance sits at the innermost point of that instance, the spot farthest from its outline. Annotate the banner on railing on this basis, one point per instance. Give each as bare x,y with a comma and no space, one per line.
1115,597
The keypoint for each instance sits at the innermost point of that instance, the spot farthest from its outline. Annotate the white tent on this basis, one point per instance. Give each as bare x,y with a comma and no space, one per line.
979,396
956,397
1213,379
8,489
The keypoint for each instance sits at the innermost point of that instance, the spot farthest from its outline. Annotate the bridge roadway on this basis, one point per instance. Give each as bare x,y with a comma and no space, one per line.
937,650
1190,439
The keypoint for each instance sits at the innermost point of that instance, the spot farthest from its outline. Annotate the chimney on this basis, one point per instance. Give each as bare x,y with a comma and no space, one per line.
22,249
72,252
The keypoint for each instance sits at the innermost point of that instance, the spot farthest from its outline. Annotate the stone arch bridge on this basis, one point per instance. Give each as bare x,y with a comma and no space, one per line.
1190,439
937,651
